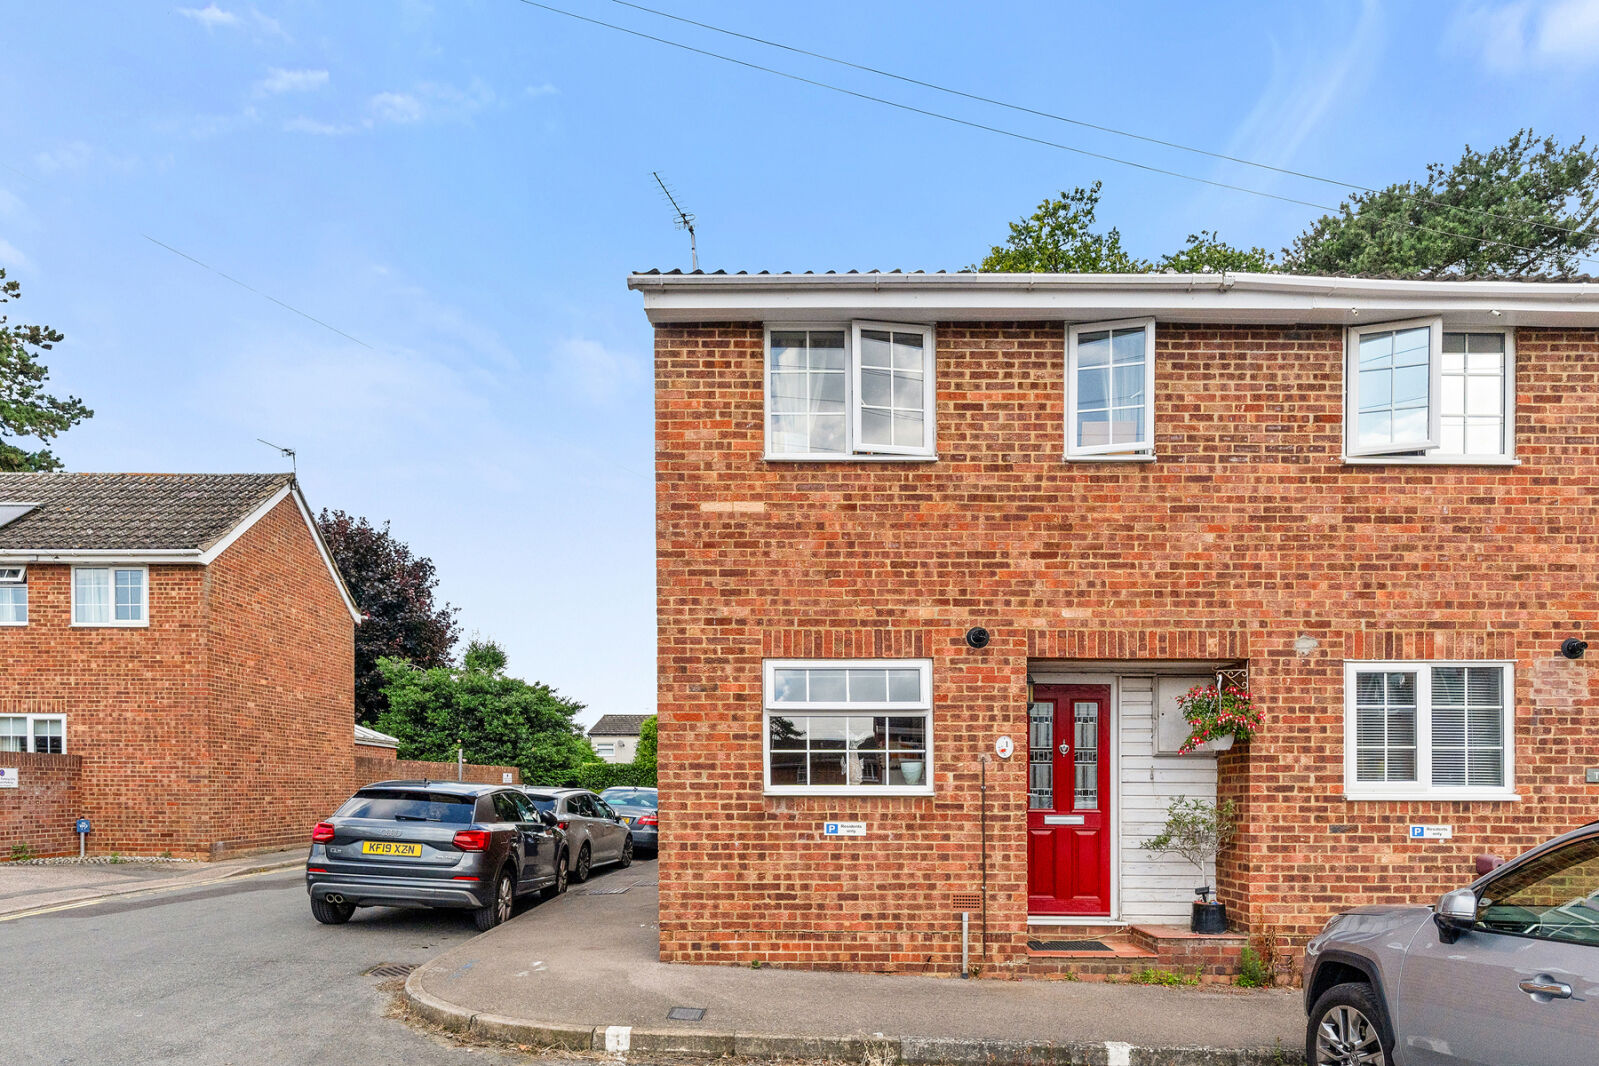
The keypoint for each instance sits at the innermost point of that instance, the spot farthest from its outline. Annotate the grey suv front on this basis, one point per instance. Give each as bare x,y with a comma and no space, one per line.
1504,972
416,844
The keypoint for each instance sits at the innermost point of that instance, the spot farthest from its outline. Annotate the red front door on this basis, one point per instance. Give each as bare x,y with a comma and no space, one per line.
1068,800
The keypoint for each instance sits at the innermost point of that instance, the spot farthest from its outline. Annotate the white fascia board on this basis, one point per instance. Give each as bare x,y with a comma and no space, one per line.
1243,297
265,508
103,556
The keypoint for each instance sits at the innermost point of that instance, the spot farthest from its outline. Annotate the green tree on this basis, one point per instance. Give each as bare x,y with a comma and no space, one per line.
645,754
394,590
1526,207
497,720
1206,253
1059,238
26,410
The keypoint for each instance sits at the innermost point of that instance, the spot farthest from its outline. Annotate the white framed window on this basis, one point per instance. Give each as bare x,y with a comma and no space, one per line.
605,750
43,734
110,596
13,595
1110,390
1416,392
848,727
1429,730
860,390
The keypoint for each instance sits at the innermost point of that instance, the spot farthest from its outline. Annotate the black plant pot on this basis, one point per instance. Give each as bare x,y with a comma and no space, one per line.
1208,918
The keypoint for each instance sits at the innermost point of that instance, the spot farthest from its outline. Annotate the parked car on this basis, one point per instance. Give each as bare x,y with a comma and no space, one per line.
595,834
1503,971
640,809
434,844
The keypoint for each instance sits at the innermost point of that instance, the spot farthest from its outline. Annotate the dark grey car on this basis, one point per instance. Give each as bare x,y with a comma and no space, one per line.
1502,973
434,844
595,834
640,809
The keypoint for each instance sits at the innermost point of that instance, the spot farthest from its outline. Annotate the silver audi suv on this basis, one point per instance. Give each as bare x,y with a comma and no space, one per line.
1504,972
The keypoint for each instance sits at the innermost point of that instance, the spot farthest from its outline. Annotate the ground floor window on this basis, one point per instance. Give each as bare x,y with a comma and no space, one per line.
1430,730
42,734
848,727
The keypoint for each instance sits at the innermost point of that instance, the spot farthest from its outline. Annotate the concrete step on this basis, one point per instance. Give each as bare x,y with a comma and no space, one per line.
1210,959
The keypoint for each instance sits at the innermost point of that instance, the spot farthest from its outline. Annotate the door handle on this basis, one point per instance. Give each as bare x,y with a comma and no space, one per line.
1546,986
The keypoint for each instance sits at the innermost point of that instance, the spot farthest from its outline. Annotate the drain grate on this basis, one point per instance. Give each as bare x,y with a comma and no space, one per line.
1068,945
607,891
685,1014
390,969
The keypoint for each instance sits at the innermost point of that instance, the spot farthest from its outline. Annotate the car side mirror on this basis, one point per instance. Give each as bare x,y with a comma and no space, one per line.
547,818
1456,912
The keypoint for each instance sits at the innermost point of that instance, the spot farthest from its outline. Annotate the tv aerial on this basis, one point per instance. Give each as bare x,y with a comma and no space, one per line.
684,220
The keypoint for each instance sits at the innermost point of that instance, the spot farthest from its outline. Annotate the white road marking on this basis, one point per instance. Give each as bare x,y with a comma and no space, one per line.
1118,1053
618,1038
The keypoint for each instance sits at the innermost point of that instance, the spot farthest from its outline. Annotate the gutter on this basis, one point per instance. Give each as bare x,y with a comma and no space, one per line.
175,556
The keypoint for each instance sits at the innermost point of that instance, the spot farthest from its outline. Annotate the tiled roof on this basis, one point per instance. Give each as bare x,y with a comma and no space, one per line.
130,512
618,725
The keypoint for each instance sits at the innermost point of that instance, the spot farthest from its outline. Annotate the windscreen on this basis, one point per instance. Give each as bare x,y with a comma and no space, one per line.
543,803
646,800
405,806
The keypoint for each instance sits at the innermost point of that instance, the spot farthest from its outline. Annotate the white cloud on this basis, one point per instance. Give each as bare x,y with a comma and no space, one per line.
210,16
1528,34
590,371
72,156
11,255
545,89
302,124
280,81
429,101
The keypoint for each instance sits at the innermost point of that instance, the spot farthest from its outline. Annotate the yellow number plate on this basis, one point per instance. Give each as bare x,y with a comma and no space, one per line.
383,847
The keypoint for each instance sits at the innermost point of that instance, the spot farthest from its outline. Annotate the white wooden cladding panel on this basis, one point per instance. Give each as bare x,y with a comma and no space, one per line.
1156,887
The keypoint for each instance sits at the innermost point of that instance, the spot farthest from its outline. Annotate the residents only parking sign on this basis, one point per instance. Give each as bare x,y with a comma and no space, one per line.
844,829
1432,832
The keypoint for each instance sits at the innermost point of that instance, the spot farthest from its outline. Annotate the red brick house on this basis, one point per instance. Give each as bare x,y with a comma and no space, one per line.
178,656
1373,501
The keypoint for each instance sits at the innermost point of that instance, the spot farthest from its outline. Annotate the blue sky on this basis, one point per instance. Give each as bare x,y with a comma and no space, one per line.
462,187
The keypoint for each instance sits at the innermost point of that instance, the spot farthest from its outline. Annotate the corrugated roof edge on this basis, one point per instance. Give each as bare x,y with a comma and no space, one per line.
1576,279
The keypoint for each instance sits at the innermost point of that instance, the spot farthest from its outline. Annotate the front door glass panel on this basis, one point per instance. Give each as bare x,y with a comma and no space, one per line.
1041,756
1085,719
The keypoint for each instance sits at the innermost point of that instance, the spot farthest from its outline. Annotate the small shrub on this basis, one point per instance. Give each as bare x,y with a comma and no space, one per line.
1167,978
116,857
1252,970
21,852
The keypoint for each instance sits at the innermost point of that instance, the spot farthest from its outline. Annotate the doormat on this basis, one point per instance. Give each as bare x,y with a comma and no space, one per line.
1067,945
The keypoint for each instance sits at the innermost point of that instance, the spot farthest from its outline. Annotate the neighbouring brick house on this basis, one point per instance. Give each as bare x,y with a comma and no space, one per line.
178,656
615,736
1374,501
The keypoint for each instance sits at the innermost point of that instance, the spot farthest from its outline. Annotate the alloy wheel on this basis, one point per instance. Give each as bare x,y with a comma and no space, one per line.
583,862
1346,1037
502,901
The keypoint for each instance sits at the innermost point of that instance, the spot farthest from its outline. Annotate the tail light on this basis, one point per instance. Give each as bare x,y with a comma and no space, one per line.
322,833
647,819
472,839
564,825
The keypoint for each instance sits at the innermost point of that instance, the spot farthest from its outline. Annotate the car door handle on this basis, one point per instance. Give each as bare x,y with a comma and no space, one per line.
1551,988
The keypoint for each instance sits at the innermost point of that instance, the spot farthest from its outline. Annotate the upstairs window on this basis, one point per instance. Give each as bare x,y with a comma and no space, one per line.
1110,390
13,595
1440,730
109,596
849,727
1416,393
865,389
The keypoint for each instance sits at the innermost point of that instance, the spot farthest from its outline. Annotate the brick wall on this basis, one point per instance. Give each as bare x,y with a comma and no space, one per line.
1246,533
41,810
374,751
280,686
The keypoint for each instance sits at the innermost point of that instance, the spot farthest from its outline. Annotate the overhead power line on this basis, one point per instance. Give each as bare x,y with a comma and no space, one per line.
1085,124
1015,135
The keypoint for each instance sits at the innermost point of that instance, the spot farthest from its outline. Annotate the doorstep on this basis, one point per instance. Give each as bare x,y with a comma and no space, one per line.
1211,958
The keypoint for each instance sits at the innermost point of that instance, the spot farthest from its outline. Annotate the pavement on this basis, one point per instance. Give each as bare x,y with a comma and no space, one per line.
582,973
26,888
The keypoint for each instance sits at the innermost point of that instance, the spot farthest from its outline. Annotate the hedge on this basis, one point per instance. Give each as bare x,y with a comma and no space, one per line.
599,776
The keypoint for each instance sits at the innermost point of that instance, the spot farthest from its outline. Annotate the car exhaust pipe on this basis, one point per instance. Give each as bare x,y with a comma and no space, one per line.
334,898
